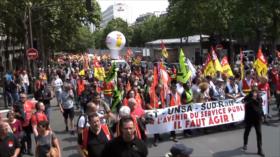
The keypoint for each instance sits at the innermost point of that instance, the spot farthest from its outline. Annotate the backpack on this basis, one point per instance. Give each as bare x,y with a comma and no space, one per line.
85,123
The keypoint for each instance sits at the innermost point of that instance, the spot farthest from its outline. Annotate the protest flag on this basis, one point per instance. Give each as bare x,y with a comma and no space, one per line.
215,60
129,54
208,68
127,87
226,69
99,72
112,73
184,72
261,64
164,79
164,51
117,98
155,77
82,72
241,65
192,69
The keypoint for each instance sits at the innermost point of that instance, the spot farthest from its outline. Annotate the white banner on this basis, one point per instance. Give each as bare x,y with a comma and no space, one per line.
198,115
265,102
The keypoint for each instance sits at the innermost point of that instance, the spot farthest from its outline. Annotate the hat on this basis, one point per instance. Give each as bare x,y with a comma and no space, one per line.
180,149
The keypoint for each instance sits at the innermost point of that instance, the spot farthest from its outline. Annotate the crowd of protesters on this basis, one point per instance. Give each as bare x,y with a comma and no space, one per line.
113,120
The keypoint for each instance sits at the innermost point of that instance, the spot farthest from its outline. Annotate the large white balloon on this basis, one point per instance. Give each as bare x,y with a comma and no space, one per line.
115,41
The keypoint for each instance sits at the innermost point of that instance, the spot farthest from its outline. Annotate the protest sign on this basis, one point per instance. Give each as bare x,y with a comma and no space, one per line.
197,115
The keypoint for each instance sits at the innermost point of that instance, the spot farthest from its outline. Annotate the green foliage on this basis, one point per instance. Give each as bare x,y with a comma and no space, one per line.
60,22
83,40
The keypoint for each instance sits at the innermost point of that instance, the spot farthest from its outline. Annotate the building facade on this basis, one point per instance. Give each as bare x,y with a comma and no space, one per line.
118,10
193,46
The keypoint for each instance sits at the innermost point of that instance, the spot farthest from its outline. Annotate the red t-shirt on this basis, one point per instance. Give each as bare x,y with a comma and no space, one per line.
28,106
38,117
263,86
16,127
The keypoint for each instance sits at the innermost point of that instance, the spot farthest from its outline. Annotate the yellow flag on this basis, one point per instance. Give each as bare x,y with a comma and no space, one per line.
209,69
215,60
241,65
82,73
226,67
163,50
261,64
99,73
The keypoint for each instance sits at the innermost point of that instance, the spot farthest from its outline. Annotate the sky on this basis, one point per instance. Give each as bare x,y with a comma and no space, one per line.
137,7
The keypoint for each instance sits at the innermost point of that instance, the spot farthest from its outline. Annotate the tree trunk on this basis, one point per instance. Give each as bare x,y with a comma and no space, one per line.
42,46
26,45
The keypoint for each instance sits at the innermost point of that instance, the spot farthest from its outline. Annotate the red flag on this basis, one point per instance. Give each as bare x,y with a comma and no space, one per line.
96,63
155,81
129,52
260,56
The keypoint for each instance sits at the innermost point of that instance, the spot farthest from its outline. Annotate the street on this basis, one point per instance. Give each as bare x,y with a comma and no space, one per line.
226,143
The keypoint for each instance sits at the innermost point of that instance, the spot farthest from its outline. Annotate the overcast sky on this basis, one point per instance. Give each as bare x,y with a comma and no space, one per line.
137,7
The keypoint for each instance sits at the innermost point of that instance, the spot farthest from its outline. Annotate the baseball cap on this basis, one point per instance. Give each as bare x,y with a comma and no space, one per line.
180,149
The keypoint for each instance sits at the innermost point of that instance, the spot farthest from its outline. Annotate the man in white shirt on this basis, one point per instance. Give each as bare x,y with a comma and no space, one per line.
57,86
24,80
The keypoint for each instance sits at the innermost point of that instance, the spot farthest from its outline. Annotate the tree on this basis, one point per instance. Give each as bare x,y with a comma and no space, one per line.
83,40
151,29
55,23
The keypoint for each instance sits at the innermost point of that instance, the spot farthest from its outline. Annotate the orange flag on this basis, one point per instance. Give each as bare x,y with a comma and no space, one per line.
127,87
155,79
